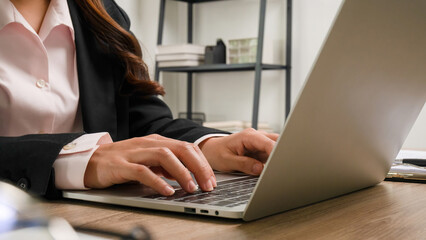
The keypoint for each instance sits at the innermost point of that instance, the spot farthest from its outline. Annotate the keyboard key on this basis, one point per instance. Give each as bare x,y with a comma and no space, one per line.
230,193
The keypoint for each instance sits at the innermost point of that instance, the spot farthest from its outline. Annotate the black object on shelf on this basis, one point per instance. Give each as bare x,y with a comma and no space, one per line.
197,117
258,66
215,54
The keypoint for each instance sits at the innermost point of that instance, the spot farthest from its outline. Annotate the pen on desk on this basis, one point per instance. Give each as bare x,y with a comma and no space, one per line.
418,162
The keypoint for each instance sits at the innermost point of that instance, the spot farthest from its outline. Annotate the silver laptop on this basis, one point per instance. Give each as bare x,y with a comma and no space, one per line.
358,105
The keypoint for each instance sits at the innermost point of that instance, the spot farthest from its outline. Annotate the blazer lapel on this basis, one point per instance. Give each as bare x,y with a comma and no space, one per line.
96,76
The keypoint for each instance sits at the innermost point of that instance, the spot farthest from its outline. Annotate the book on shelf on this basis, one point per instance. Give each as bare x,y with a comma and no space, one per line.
181,48
179,56
180,63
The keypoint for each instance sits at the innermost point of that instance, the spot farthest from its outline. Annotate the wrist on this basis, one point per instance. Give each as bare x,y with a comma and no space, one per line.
207,142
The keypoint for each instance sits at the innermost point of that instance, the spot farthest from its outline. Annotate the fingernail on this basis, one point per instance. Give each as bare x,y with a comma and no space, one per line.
192,187
213,181
208,186
257,168
168,191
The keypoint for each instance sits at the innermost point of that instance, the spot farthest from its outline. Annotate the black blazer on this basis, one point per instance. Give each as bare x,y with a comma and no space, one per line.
27,160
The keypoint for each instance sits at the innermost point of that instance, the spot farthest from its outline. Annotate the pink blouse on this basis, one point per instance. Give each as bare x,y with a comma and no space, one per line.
39,86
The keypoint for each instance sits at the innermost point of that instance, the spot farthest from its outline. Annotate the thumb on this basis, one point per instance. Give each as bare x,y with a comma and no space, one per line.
245,164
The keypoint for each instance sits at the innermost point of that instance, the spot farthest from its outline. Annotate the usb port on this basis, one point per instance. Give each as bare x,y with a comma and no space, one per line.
189,210
204,211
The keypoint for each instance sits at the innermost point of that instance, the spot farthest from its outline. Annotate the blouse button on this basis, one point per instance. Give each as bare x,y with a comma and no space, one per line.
41,83
69,146
23,183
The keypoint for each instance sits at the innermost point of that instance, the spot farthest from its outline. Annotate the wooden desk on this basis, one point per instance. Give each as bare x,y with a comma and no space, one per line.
390,210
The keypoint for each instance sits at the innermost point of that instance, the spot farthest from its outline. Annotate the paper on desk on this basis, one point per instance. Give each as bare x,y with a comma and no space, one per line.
411,154
407,169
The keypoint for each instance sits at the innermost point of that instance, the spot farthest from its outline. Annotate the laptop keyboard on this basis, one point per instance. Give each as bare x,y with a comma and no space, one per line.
228,193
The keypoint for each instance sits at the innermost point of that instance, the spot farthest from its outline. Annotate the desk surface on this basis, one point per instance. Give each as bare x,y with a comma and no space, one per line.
390,210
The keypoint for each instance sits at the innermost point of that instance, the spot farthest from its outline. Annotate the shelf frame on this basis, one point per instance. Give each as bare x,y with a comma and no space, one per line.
258,66
222,68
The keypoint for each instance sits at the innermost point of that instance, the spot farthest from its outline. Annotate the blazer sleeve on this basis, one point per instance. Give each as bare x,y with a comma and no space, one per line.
151,115
27,161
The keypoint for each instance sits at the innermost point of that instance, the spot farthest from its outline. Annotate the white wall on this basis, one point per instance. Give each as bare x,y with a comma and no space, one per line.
228,96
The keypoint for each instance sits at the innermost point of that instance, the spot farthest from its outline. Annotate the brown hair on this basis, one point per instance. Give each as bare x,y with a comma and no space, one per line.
123,44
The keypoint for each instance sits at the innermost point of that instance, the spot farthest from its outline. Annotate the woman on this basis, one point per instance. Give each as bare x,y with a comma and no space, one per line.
78,110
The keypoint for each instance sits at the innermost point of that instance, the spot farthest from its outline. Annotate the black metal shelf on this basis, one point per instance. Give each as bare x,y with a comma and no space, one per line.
257,67
222,68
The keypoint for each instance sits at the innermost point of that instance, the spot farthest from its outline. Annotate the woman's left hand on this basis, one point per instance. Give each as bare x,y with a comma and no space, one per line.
246,151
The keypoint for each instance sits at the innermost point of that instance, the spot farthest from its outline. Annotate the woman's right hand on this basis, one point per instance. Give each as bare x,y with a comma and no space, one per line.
145,160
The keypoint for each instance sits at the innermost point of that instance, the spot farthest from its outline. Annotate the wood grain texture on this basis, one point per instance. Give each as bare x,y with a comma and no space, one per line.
390,210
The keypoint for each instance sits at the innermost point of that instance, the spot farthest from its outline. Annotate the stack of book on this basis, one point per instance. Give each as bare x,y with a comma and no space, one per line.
183,55
236,126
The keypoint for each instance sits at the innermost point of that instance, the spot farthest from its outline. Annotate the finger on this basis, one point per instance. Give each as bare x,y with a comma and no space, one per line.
272,136
245,164
162,172
260,156
187,153
145,176
256,142
196,162
213,178
163,157
196,148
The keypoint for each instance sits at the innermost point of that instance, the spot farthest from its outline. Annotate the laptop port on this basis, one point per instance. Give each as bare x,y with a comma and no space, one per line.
189,210
204,211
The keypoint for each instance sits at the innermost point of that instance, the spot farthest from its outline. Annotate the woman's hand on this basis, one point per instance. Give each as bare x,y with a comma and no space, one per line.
246,151
145,160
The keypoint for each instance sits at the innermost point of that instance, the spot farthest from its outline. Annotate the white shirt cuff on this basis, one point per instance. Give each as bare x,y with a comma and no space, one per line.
209,136
71,163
